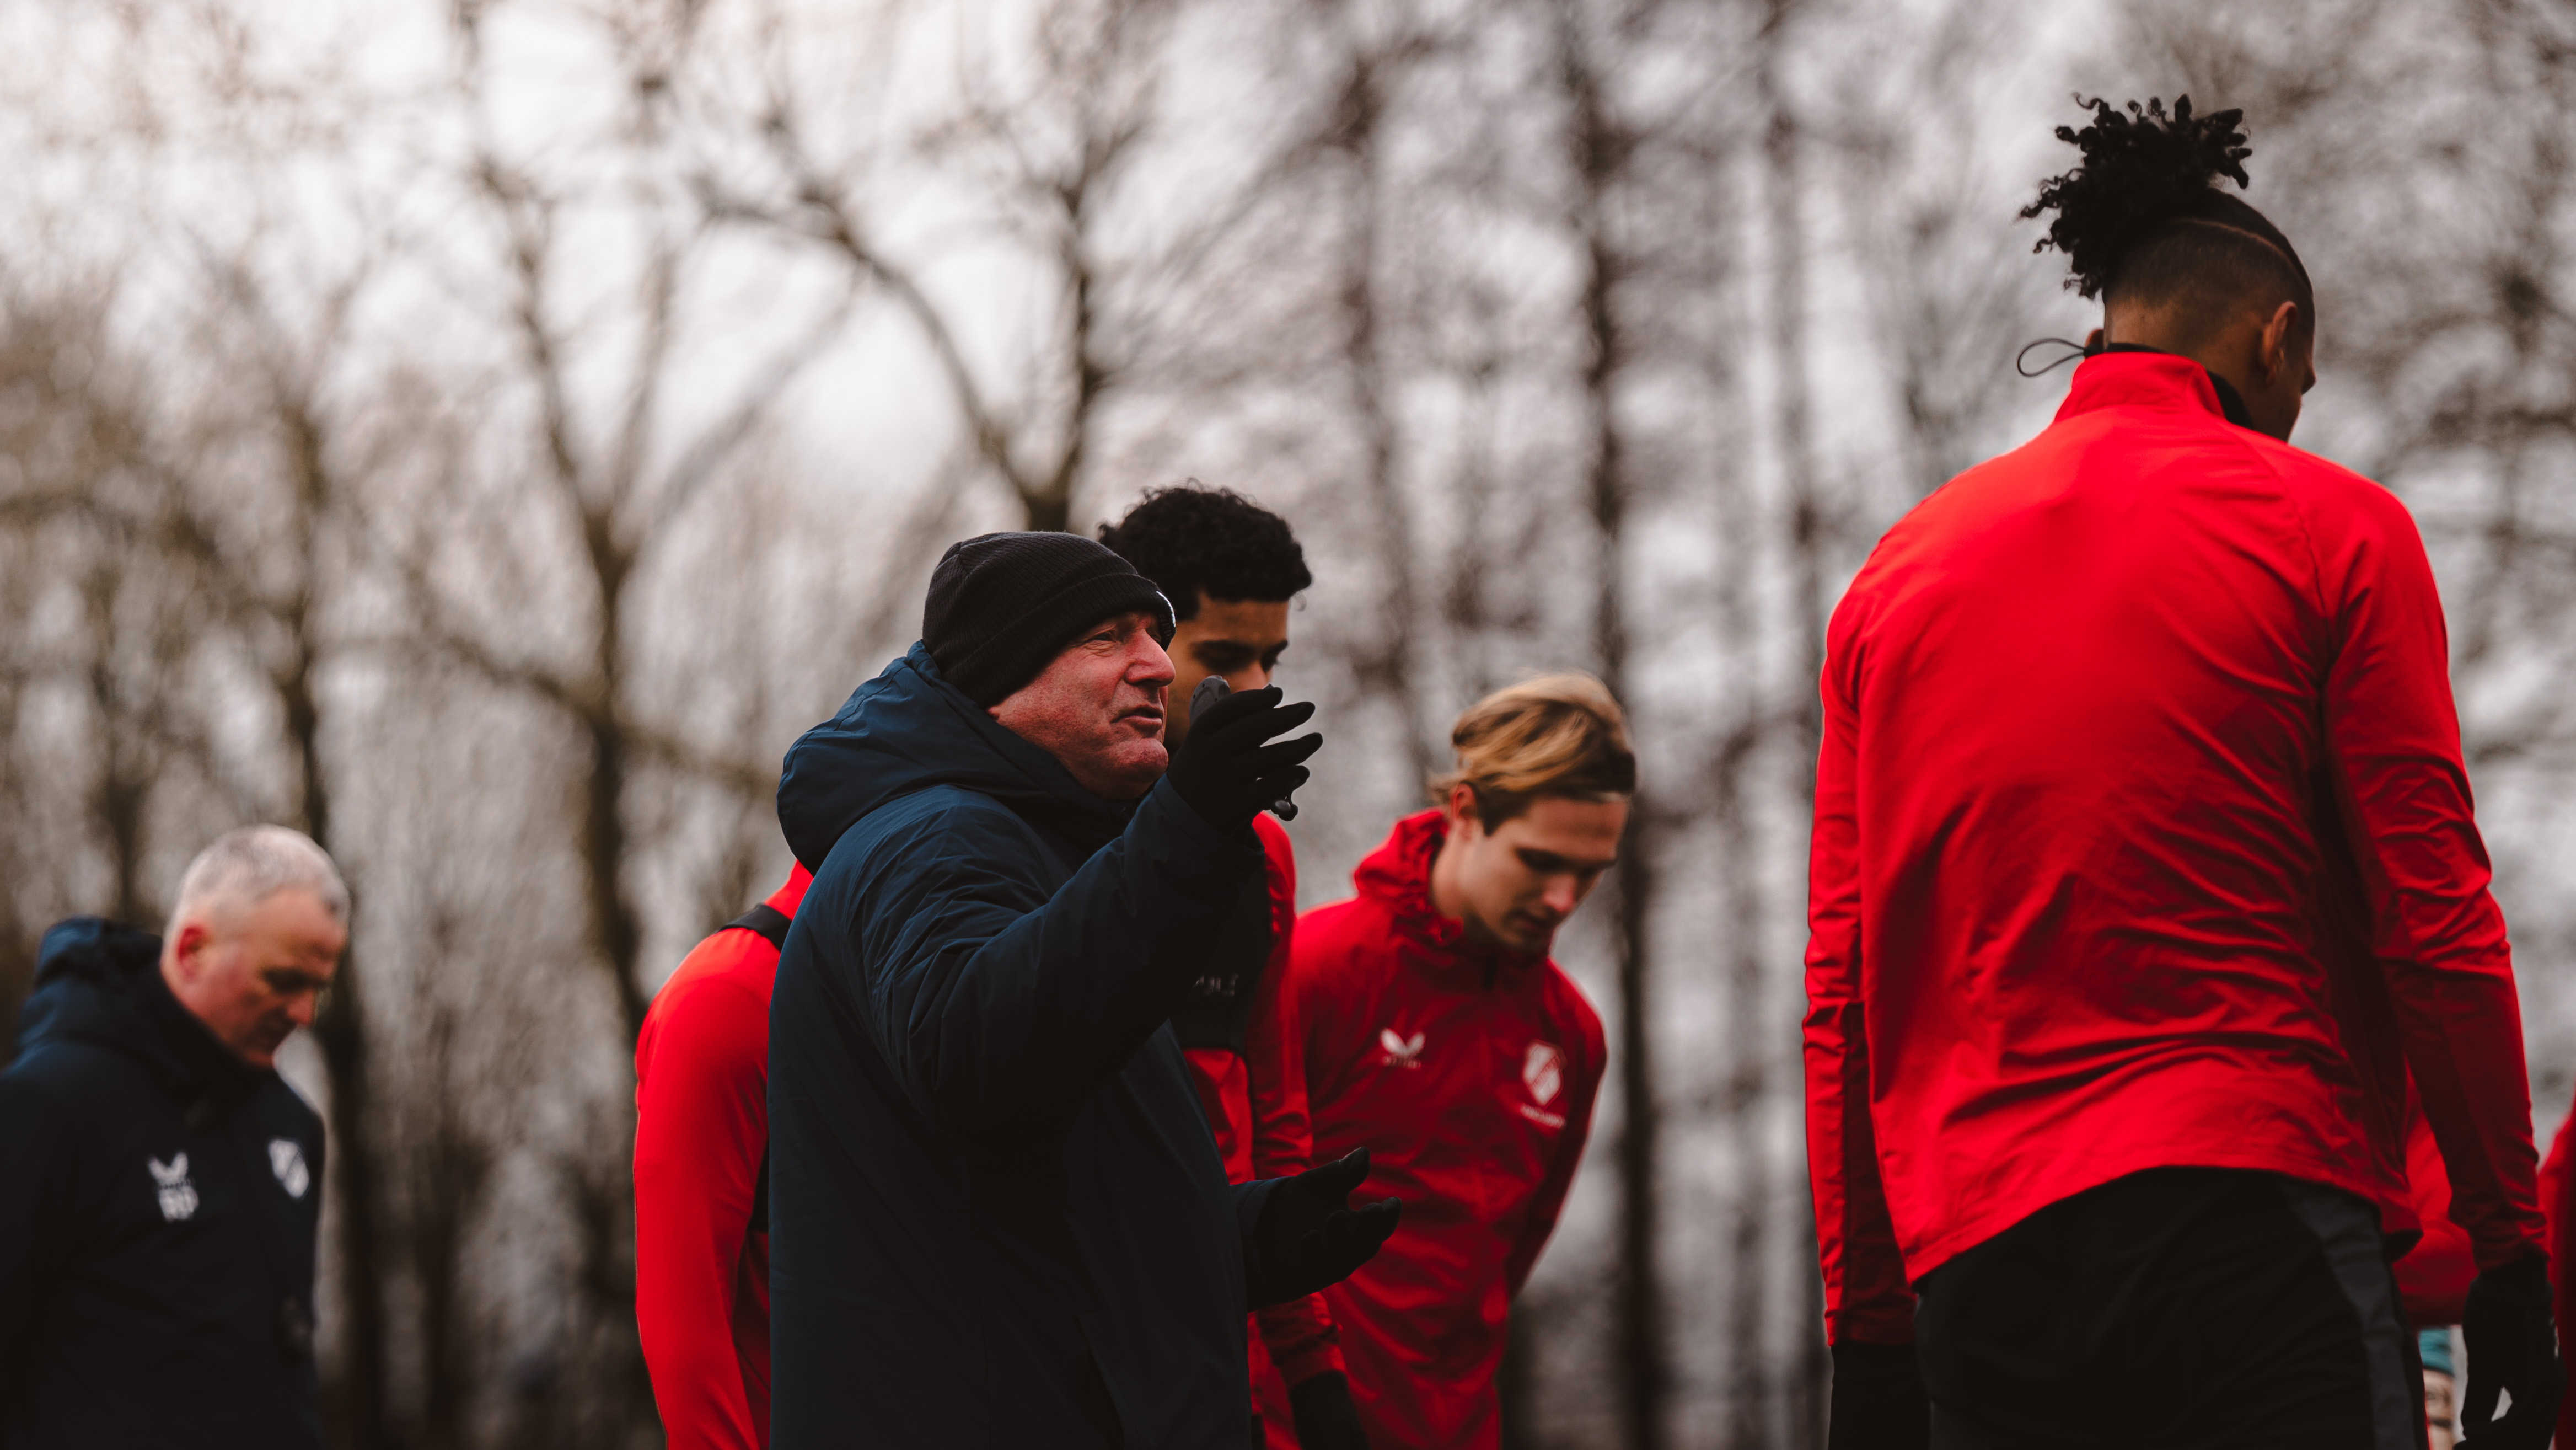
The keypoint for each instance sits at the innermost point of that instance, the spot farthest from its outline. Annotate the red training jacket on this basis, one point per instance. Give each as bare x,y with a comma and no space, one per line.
1255,1101
2110,724
1469,1074
701,1128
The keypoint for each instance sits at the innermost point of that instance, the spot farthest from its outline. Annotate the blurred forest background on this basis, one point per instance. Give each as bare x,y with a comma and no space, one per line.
485,433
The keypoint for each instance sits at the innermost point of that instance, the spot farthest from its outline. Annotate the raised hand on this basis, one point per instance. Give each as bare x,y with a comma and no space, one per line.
1226,771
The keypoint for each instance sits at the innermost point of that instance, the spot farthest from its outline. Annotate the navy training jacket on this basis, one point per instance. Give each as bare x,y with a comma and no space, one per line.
158,1203
997,1216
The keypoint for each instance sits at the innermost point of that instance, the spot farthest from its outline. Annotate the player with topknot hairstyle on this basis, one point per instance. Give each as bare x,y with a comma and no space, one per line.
2146,900
2181,266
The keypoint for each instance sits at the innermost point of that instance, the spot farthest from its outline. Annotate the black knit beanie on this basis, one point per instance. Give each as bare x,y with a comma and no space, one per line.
1001,605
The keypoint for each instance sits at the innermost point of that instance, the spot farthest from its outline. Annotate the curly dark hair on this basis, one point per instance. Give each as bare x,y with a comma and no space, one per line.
1191,539
2141,172
2144,220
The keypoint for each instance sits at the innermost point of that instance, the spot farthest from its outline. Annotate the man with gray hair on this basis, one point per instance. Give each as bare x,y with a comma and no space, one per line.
160,1184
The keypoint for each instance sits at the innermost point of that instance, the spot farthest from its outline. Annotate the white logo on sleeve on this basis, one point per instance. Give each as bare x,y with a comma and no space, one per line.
178,1195
1400,1051
286,1160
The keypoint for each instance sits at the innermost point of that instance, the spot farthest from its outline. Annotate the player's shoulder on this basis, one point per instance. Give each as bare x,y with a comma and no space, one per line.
1327,933
2325,484
1342,950
716,1000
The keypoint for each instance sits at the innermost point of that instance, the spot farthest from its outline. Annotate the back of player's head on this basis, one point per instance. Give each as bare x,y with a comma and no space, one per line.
1192,539
2143,222
1556,735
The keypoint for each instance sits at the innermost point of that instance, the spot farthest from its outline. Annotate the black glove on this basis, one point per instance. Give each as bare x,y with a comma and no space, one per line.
1878,1399
1309,1235
1224,770
2512,1347
1326,1418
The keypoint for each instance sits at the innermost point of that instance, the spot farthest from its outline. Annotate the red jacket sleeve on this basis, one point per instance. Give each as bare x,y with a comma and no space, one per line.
2393,747
702,1118
1549,1201
2433,1278
1299,1333
1866,1295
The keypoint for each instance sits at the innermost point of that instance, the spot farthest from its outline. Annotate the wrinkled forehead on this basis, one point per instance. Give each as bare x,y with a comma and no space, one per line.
291,921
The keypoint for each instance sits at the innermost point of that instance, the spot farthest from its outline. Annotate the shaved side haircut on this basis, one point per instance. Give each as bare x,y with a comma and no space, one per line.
2144,224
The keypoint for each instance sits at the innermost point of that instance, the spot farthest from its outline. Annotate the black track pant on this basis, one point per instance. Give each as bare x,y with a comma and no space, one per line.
2181,1307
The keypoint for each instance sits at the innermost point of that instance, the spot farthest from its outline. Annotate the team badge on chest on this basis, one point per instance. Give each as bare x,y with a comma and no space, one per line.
286,1160
1543,1073
170,1181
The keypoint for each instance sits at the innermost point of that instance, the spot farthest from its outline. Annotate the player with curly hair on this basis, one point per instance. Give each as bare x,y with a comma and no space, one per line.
2146,895
1231,569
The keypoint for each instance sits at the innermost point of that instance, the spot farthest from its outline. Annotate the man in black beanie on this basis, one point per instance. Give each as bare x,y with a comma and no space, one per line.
996,1214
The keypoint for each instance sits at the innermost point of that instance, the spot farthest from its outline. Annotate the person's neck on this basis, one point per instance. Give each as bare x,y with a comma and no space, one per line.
1448,898
2231,401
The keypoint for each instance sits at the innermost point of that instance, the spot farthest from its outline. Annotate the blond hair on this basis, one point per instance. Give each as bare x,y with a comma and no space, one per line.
1556,735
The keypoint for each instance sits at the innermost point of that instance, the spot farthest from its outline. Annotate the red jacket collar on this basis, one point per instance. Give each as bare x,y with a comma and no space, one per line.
787,897
2140,380
1397,875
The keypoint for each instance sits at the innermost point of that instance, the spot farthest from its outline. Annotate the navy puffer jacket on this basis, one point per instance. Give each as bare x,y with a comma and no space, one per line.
158,1204
997,1217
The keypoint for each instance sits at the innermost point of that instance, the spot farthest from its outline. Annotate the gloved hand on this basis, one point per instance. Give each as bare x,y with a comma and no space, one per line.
1225,771
1309,1235
1326,1418
2512,1347
1878,1399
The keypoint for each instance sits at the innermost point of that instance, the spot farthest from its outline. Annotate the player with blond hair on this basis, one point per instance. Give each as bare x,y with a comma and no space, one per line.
1436,1031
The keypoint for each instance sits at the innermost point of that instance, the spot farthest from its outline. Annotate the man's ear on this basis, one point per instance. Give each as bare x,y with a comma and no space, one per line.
2277,331
1460,808
193,937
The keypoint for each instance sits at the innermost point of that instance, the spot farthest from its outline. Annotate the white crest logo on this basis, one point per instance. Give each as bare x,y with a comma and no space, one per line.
286,1160
1400,1051
178,1195
1543,1069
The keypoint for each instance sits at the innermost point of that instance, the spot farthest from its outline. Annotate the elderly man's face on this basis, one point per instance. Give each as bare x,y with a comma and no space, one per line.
1098,708
255,976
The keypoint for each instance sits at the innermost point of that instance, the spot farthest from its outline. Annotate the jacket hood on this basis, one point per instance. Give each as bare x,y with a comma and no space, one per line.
1397,875
908,730
99,982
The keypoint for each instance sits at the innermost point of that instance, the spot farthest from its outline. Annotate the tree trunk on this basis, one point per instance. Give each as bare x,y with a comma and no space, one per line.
1598,153
1747,1102
359,1413
1393,668
1788,255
